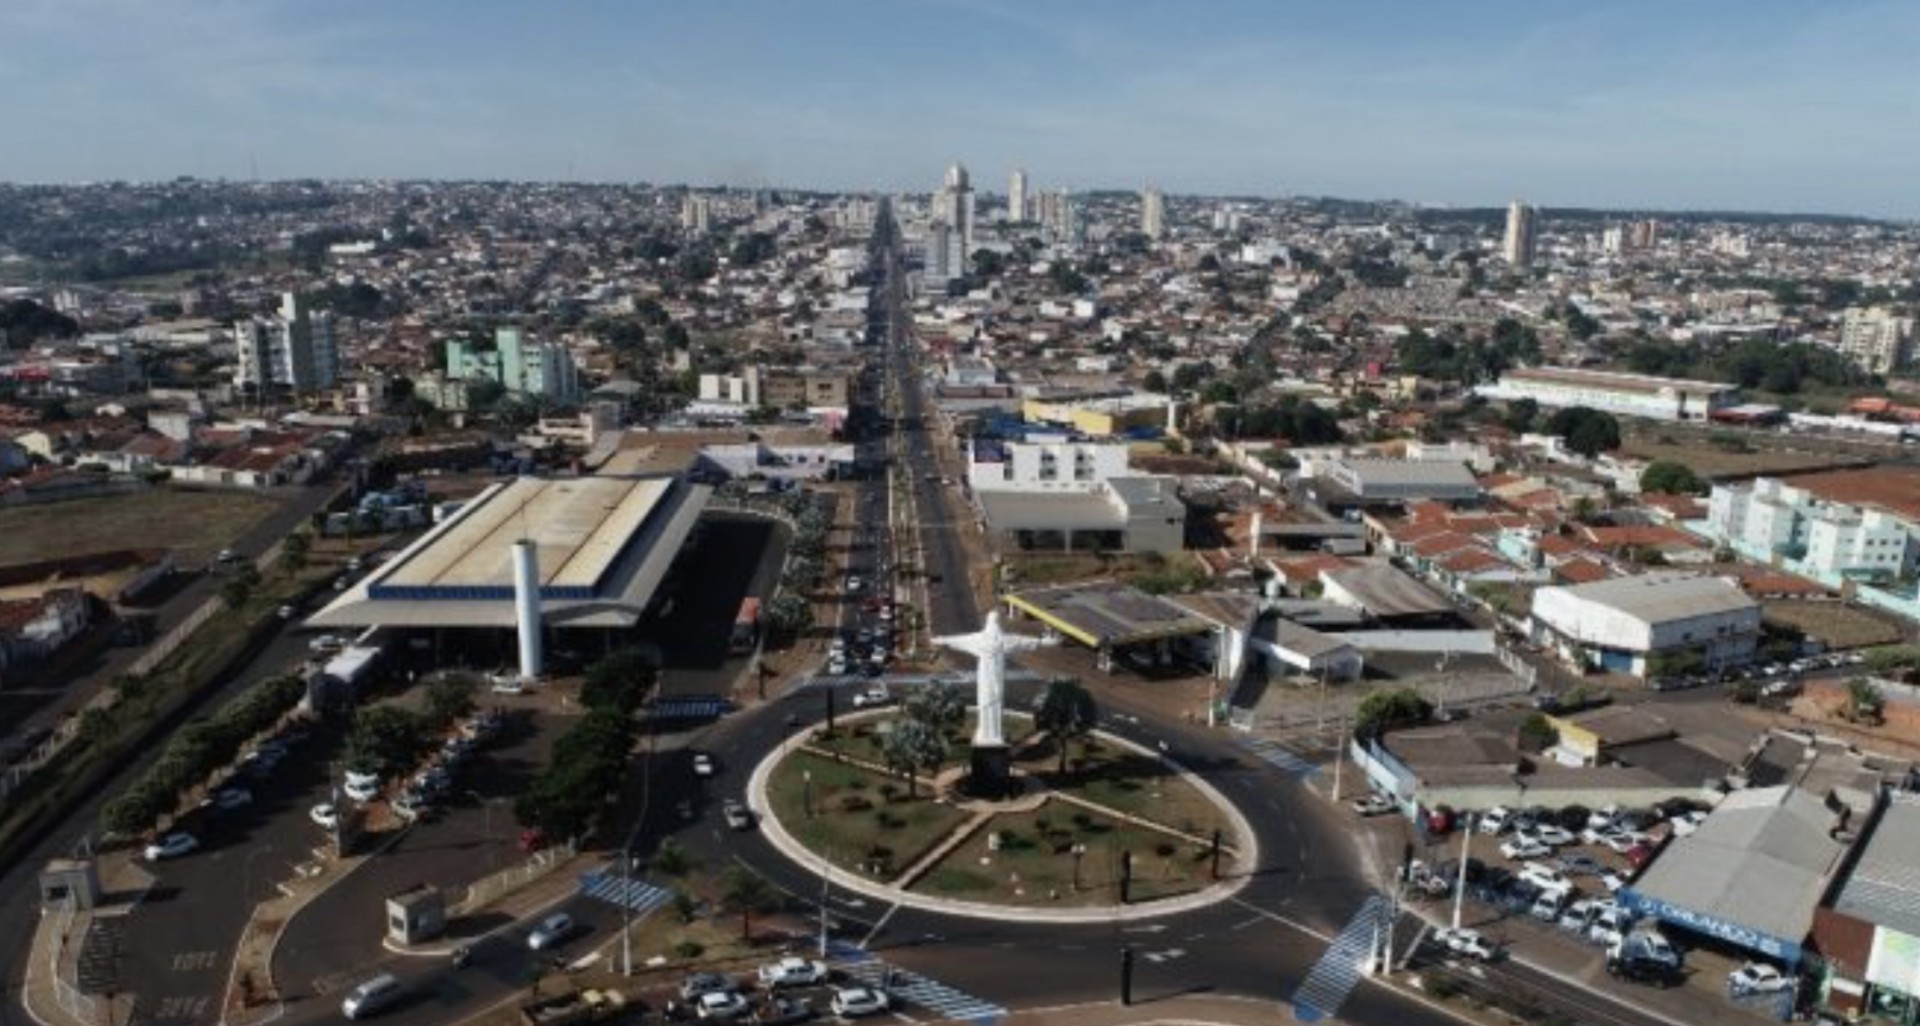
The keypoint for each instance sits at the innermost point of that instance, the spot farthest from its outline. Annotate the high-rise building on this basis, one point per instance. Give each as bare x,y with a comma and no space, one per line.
1879,340
537,370
953,205
1017,195
696,212
294,351
1522,234
1153,213
1643,234
945,256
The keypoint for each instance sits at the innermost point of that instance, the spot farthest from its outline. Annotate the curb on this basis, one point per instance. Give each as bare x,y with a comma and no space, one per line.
794,852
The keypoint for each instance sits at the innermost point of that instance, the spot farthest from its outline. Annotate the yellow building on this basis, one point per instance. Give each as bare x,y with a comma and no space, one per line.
1100,418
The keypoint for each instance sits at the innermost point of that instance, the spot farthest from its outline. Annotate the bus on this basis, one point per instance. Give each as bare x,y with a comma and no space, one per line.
746,626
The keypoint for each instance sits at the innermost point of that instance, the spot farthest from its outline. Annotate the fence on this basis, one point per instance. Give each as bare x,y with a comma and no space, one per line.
495,886
165,647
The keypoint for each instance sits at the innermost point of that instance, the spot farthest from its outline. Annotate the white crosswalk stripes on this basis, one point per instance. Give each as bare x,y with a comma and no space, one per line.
638,895
1284,759
911,988
1333,977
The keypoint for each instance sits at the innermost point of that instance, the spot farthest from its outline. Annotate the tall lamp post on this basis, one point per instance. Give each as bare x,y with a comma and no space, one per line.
806,791
1079,852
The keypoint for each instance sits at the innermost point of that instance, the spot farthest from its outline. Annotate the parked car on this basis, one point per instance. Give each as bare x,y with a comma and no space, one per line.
721,1006
850,1002
325,644
361,791
1467,942
1687,822
325,816
1372,804
532,839
1520,848
1758,978
1544,876
552,932
792,971
230,799
872,697
697,984
1553,836
172,846
1639,855
1580,865
1496,820
1613,881
780,1010
1623,841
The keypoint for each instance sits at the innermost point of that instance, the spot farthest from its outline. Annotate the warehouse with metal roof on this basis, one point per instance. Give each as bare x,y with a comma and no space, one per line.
1868,935
1640,623
1750,876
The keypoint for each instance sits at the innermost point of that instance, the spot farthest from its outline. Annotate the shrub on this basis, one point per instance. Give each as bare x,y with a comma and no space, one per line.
688,949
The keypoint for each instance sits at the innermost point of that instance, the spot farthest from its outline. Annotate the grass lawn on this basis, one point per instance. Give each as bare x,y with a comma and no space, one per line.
854,816
1836,624
196,524
1034,865
1138,785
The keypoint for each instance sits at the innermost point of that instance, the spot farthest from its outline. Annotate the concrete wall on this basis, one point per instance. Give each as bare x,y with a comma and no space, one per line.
1475,642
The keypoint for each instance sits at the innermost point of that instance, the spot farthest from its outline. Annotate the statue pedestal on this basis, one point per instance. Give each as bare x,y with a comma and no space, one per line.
991,775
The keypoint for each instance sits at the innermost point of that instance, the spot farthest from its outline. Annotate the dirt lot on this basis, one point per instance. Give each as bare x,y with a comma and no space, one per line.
195,524
1692,448
1836,624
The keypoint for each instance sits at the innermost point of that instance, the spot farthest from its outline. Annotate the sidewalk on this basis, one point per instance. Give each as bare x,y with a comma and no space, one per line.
58,939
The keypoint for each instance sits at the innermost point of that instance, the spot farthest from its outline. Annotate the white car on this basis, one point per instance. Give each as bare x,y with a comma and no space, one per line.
1544,876
702,764
1372,804
326,643
792,971
1496,820
1613,881
509,684
362,791
1623,841
1553,836
872,697
1687,822
171,846
1755,978
720,1005
1467,942
552,932
1602,818
849,1002
325,816
1520,848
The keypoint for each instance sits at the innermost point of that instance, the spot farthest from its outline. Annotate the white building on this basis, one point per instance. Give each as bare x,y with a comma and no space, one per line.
1769,518
1017,195
742,389
696,213
1073,496
295,351
1153,214
1627,395
1523,235
953,206
1879,340
1692,623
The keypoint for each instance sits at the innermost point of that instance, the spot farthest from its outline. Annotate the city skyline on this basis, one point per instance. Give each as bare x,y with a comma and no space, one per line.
1763,107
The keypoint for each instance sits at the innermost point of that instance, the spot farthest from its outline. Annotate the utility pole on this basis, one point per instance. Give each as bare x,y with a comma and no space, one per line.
1126,881
626,911
1339,756
1126,975
1460,885
826,879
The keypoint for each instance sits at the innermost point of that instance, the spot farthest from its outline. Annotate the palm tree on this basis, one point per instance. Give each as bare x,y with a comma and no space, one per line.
1067,711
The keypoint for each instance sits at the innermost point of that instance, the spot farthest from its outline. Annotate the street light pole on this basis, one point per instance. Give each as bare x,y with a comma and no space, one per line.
806,793
826,879
1079,852
1460,885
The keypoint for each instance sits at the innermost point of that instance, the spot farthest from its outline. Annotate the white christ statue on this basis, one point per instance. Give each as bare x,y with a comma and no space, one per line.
989,646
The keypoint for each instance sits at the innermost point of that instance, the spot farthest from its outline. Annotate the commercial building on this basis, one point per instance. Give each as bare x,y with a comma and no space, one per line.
1073,495
1878,340
1627,395
804,389
603,544
1383,592
1868,934
1750,876
1769,518
1649,624
696,213
1114,620
1136,413
1363,481
1523,235
294,351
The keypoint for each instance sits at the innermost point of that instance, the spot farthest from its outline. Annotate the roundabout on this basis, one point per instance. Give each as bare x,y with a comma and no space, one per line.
1112,830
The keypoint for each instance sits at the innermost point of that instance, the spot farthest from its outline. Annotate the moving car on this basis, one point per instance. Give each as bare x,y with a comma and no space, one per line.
1467,942
738,816
325,816
229,799
1373,804
792,971
372,997
872,697
172,846
702,764
849,1002
552,932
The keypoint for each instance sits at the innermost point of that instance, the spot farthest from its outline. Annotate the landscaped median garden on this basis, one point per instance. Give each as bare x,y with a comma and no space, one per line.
877,798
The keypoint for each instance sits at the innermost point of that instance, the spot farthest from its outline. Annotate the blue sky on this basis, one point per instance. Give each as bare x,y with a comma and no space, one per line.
1754,104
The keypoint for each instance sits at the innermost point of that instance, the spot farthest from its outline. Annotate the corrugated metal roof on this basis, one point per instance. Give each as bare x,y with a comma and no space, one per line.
1884,887
1665,596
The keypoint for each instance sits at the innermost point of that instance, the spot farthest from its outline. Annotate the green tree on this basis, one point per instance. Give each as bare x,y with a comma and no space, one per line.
1669,477
1066,712
789,614
294,552
1537,734
1385,710
910,747
1865,703
748,893
386,740
1154,381
619,681
671,858
1586,431
941,708
239,585
449,697
1522,413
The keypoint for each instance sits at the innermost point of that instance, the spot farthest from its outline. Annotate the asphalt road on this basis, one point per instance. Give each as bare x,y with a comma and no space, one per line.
162,970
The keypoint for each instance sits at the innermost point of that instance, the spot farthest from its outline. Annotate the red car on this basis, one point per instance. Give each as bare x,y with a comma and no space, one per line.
1639,855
